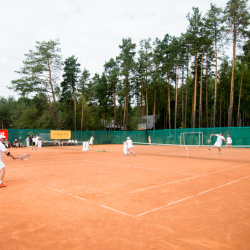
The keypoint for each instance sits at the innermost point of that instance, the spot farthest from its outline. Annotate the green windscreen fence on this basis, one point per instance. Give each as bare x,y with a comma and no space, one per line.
195,136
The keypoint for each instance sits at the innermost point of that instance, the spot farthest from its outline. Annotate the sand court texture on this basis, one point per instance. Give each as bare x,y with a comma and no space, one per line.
64,198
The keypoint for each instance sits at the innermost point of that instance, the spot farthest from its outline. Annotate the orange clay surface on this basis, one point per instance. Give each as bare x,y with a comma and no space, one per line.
68,199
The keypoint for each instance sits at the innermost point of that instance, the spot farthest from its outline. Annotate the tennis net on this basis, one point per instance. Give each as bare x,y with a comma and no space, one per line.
234,154
60,144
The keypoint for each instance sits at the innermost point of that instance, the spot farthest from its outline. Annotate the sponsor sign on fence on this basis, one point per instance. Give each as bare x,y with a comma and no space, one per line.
4,132
60,134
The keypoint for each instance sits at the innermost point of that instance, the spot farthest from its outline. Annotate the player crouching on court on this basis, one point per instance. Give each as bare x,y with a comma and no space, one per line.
218,143
129,145
2,166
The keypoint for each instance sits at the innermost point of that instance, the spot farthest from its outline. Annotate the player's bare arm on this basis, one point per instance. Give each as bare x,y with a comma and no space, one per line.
10,155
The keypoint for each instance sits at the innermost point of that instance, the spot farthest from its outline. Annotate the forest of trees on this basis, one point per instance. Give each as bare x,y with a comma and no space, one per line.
199,79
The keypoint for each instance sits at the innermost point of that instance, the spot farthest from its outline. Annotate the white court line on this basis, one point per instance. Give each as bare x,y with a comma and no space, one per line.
35,163
116,210
156,186
178,201
154,169
108,163
169,204
120,212
74,196
225,169
143,189
223,185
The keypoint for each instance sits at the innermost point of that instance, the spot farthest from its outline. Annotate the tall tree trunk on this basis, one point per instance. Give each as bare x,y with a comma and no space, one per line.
147,106
186,104
169,109
142,101
147,95
241,81
82,110
182,97
220,120
231,104
114,106
176,95
200,104
215,82
127,112
74,99
166,101
207,89
54,99
124,114
194,94
154,108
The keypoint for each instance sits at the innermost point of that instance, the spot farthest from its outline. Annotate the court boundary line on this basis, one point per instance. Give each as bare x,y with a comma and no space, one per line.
167,183
129,215
108,163
74,196
120,212
184,199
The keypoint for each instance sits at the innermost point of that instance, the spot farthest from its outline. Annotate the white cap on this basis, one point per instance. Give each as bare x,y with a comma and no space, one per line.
2,137
128,138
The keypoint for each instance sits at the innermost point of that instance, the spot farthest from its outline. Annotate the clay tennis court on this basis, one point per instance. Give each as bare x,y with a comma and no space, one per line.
63,198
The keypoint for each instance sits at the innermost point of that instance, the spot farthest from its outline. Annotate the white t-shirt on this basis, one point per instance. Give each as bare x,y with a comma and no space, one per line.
2,149
129,144
35,140
91,140
219,141
229,140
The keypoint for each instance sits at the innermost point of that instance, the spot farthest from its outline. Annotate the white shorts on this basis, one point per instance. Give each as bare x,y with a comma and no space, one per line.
218,145
1,165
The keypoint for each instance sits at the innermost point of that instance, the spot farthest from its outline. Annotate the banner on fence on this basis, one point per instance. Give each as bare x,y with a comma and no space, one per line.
60,134
4,132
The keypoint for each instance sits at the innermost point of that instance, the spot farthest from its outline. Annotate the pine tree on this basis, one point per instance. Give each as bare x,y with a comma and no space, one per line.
237,21
40,73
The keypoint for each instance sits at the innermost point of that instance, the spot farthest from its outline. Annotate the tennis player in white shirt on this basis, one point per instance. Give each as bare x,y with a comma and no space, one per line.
91,141
149,139
219,141
129,145
35,140
229,141
2,166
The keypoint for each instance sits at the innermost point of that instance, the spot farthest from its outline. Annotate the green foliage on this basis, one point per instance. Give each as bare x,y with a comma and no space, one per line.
163,76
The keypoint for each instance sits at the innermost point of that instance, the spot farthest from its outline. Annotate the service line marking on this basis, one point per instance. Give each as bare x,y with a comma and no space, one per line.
156,186
184,199
74,196
164,184
94,160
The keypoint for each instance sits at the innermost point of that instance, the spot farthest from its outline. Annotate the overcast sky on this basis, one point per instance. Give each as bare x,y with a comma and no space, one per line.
91,30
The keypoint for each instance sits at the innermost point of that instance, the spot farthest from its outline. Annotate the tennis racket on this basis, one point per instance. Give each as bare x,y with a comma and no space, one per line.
209,140
24,157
